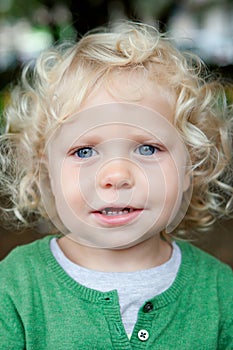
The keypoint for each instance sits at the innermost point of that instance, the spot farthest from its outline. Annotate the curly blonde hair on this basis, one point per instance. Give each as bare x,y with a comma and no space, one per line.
61,79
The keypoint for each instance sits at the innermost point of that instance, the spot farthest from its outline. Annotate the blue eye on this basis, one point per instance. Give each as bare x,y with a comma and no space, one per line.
147,150
85,152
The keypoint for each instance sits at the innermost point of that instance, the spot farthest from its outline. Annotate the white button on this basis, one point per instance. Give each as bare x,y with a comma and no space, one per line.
143,335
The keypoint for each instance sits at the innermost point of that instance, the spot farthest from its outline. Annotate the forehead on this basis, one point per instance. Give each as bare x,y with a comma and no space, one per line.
133,87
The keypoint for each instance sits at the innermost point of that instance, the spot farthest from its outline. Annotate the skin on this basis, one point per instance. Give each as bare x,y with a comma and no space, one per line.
116,174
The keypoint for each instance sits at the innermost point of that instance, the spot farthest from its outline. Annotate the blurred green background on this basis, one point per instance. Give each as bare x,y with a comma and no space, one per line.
202,26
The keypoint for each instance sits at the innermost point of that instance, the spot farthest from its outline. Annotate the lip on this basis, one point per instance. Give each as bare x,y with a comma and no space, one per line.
116,220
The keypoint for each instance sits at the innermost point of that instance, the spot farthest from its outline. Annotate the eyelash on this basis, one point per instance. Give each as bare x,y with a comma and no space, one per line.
154,149
91,148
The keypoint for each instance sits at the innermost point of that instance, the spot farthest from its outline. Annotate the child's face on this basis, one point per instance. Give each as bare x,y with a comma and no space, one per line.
117,170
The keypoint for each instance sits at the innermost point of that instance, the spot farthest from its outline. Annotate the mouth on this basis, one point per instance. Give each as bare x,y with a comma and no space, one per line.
116,216
116,211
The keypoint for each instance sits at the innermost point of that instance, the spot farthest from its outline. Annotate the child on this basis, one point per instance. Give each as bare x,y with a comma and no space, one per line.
120,143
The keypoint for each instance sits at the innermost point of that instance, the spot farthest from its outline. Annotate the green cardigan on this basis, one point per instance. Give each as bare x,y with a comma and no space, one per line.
42,308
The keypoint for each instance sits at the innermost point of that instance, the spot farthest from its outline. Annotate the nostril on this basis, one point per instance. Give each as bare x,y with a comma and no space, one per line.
125,183
108,185
119,184
116,183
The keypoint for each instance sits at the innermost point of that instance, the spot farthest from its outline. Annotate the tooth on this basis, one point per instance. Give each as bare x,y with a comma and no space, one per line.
111,211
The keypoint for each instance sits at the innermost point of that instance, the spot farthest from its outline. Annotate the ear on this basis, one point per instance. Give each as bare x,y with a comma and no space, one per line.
51,183
187,181
44,164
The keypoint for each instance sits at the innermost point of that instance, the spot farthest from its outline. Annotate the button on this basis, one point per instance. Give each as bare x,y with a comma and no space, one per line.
143,335
148,307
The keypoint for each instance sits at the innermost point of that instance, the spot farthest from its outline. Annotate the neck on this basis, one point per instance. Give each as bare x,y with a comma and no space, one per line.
150,253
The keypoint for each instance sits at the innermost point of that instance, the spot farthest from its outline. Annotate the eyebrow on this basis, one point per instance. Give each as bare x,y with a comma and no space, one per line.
143,137
86,139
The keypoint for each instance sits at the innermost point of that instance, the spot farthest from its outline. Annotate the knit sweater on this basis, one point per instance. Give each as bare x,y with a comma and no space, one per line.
42,308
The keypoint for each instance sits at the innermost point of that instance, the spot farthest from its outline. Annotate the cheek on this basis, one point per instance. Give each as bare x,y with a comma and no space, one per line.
68,197
67,186
172,180
69,179
78,185
165,183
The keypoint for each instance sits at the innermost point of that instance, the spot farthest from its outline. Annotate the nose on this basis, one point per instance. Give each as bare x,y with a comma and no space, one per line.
116,174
